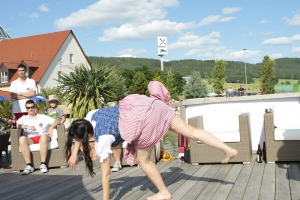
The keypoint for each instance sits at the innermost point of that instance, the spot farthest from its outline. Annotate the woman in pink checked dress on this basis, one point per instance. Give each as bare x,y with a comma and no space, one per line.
142,121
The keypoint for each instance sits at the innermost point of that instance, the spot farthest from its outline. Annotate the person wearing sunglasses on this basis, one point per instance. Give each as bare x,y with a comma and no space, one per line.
38,129
21,90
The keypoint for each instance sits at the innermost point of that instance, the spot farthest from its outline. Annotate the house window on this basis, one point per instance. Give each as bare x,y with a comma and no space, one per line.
4,77
59,75
71,58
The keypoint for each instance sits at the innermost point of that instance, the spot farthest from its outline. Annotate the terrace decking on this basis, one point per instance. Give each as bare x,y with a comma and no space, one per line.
210,181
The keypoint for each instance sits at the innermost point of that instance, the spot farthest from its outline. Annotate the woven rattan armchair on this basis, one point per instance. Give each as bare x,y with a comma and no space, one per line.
55,157
201,153
279,150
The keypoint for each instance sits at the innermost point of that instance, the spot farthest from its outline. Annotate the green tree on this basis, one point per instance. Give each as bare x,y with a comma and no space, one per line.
158,77
146,71
287,82
217,77
170,85
195,88
84,86
128,75
179,82
268,78
139,84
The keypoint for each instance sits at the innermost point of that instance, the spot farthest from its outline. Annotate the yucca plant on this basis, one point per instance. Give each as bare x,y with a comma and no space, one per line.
84,87
46,92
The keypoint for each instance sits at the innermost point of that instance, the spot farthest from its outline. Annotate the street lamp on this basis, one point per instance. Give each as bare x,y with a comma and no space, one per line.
245,73
237,82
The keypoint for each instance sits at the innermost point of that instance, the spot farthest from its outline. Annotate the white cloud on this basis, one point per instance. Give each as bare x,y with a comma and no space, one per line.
215,18
35,15
258,33
240,55
132,51
282,40
190,40
221,52
264,21
144,31
44,8
295,21
276,55
127,56
296,49
192,52
231,10
116,11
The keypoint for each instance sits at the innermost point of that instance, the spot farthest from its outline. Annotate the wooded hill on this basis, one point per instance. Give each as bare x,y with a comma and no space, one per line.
286,68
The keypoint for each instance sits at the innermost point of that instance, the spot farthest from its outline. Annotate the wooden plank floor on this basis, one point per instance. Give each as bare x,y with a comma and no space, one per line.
210,181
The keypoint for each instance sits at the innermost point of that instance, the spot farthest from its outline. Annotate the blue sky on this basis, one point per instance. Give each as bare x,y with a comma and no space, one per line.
195,29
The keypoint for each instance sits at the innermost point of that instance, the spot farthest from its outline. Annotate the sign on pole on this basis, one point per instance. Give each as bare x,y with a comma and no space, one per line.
162,46
162,51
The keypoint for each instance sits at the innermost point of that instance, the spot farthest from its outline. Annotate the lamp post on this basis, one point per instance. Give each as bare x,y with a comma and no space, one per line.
245,73
237,83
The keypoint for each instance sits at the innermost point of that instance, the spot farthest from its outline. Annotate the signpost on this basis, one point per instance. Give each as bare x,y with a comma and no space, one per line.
162,49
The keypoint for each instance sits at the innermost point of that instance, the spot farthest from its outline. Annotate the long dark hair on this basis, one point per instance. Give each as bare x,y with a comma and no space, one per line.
80,129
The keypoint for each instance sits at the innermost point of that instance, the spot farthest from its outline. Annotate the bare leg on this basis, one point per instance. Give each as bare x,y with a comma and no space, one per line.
117,154
117,151
44,147
105,168
181,127
143,158
24,143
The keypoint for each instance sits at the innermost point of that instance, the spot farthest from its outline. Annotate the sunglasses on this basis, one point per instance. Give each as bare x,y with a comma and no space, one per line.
31,107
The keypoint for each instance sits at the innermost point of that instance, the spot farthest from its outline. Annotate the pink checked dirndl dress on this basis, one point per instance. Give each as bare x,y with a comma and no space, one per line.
143,120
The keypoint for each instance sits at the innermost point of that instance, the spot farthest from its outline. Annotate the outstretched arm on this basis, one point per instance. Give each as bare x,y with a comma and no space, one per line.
73,160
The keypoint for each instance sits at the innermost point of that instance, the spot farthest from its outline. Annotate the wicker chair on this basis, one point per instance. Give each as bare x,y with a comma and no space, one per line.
201,153
279,150
55,157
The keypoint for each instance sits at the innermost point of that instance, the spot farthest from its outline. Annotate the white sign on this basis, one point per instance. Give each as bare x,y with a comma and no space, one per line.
162,51
162,41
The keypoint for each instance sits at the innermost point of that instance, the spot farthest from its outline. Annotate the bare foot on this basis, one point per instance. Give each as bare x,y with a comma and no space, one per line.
230,153
160,196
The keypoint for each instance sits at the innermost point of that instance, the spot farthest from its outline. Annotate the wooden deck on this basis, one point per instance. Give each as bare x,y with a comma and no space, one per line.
230,181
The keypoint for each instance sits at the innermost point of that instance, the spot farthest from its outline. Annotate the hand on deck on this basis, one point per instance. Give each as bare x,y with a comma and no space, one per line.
73,162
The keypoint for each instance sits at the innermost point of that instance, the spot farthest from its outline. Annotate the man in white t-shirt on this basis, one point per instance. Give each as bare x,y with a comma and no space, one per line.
21,90
38,129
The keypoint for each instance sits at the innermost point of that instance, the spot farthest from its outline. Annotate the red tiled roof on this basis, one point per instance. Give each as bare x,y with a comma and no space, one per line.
37,50
10,65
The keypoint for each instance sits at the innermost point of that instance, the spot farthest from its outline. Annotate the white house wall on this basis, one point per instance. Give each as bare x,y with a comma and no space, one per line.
255,105
61,62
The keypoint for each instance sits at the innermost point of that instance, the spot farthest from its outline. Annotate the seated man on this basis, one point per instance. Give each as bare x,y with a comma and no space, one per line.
229,91
241,91
38,128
